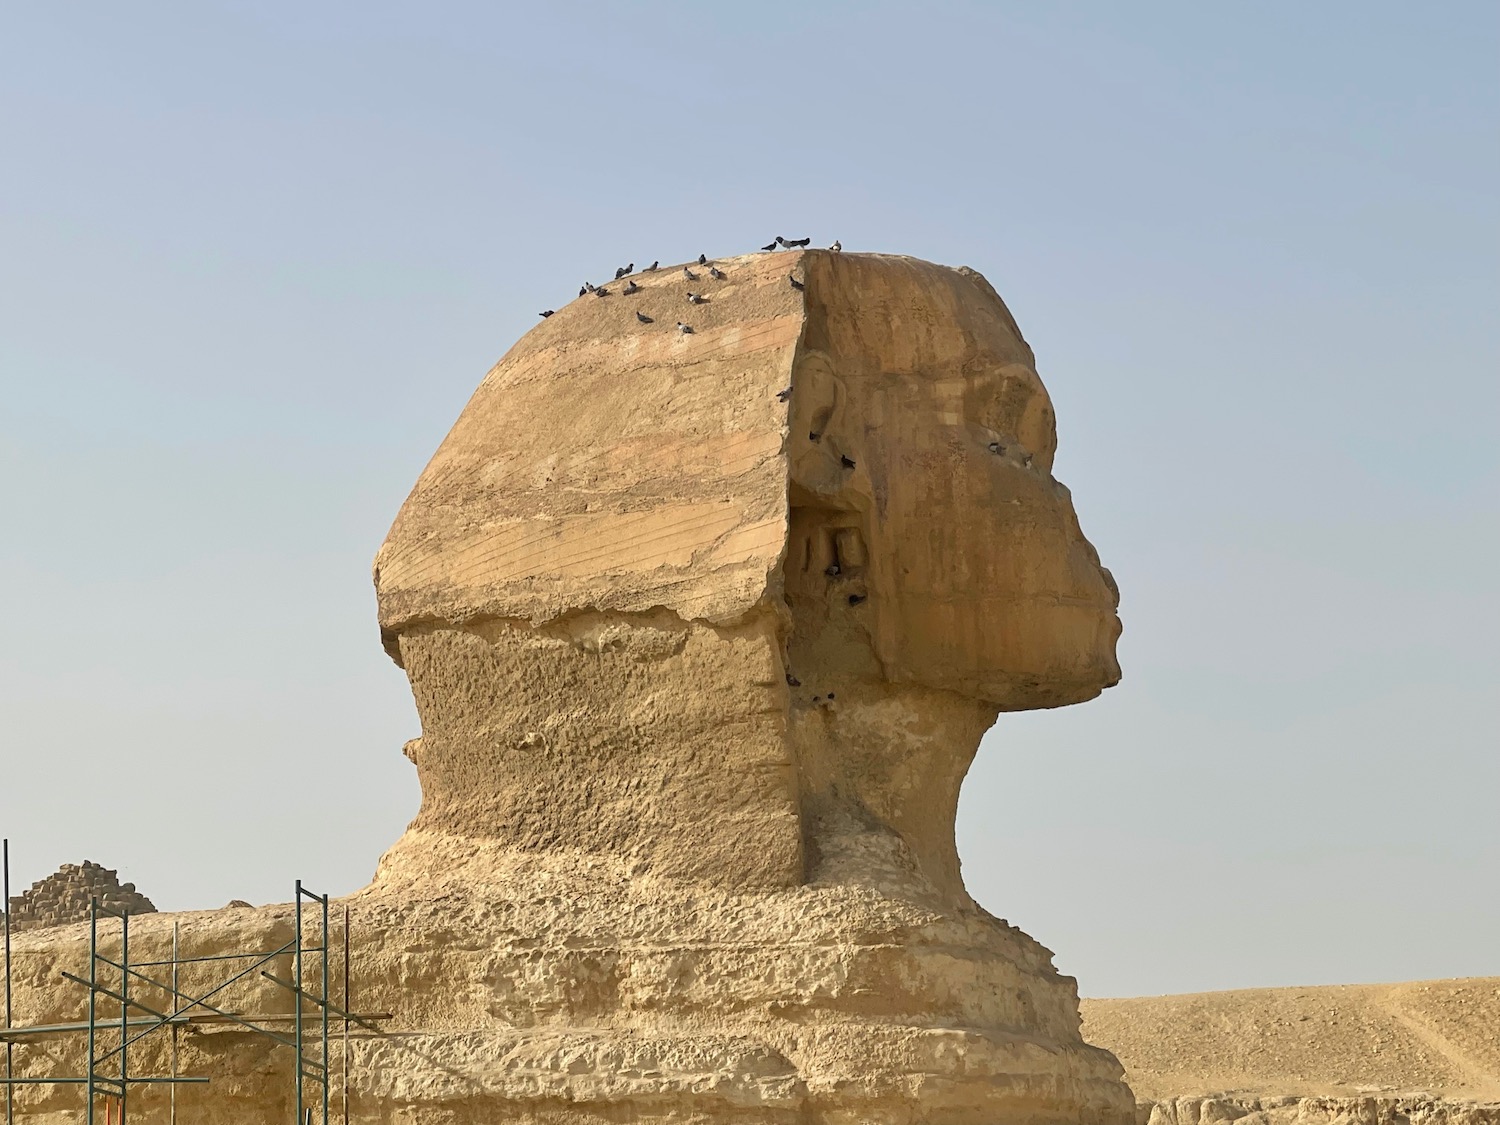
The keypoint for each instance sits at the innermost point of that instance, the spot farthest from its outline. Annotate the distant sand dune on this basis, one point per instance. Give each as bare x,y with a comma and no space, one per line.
1440,1037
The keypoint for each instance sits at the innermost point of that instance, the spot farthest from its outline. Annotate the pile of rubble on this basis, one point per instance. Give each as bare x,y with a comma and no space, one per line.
64,896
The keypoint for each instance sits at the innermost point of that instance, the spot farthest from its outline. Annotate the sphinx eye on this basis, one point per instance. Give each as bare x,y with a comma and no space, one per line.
1011,403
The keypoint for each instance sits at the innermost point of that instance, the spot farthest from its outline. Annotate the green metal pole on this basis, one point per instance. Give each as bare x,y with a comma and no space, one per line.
324,959
9,1046
344,1054
124,1008
297,999
93,1004
172,1089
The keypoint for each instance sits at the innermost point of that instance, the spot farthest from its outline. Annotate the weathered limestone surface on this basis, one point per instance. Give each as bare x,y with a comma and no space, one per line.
700,671
709,667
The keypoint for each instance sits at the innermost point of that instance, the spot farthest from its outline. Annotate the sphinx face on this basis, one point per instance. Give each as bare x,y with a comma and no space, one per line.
977,576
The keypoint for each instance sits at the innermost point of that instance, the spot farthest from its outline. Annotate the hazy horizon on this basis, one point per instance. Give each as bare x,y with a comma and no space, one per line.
255,257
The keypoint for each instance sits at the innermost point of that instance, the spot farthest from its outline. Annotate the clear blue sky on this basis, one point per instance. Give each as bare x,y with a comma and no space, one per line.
256,255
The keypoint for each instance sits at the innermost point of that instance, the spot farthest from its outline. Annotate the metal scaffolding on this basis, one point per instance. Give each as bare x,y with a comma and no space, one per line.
118,1018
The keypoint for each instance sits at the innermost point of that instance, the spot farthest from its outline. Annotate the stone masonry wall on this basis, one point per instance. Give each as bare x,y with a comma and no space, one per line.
63,897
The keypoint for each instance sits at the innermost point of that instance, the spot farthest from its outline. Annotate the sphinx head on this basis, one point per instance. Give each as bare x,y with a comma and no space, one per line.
652,608
921,493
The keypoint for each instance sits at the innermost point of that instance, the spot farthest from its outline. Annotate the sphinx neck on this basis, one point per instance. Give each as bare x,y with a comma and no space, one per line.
880,767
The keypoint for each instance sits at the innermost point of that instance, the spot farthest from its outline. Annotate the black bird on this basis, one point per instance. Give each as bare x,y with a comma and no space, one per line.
793,681
846,461
685,329
643,318
782,396
855,599
832,571
795,283
697,299
632,288
837,246
630,269
582,289
651,268
772,245
601,292
702,259
797,242
997,448
620,272
716,273
545,315
689,274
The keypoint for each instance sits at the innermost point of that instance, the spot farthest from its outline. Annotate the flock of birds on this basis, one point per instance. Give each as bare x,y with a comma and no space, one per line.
694,298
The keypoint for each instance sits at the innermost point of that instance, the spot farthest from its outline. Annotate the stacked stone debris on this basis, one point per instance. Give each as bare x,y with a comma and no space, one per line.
64,896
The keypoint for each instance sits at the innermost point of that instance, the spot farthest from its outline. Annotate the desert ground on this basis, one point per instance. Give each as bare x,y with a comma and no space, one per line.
1407,1043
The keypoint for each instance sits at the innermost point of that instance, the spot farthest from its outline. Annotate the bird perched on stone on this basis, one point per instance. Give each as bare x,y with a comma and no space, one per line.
651,268
795,283
716,273
696,298
1026,460
689,274
789,243
772,245
703,259
846,461
601,292
582,289
643,318
837,246
783,395
832,571
545,314
997,448
620,272
589,285
632,287
685,329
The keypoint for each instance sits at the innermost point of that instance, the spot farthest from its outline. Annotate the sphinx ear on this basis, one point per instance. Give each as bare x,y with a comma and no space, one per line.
830,501
818,397
817,440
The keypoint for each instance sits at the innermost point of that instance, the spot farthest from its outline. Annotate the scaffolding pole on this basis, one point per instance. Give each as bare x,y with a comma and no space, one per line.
10,1108
109,983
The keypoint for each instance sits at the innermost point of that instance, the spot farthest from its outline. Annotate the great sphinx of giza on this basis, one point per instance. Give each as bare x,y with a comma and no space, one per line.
704,630
701,665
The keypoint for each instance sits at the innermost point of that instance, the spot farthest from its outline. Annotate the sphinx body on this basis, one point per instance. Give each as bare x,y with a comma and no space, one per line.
700,667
